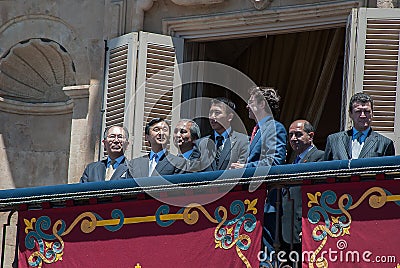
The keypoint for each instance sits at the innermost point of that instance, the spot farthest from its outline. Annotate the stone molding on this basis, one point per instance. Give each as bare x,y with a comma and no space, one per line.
261,4
77,92
19,107
196,2
140,6
385,4
255,23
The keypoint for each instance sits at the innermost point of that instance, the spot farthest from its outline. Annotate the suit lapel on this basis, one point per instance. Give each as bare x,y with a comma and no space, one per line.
143,166
160,165
102,170
306,158
119,171
369,144
255,140
226,151
346,140
211,150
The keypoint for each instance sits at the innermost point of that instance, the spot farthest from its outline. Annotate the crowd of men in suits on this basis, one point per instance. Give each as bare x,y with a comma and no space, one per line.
226,148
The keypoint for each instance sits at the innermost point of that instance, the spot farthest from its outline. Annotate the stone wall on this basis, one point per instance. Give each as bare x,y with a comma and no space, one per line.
45,46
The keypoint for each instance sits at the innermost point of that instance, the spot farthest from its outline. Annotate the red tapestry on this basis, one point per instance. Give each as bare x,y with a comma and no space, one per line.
145,233
351,224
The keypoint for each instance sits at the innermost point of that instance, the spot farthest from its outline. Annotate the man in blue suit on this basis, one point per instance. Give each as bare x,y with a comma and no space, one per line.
267,147
115,142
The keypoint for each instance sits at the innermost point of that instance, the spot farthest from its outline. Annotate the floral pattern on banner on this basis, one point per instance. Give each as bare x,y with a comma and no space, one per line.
229,234
335,214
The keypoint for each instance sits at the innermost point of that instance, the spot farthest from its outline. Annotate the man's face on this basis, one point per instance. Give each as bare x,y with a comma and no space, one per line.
115,143
361,115
219,118
158,136
298,138
254,107
182,136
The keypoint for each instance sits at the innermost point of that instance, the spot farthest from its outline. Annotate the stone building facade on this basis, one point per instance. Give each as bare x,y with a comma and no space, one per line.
52,58
53,66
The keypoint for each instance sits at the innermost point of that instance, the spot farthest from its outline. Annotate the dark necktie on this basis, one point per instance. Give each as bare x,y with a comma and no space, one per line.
253,134
358,136
218,140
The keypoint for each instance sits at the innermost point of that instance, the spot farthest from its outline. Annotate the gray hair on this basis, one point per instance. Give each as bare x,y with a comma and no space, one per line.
194,128
126,132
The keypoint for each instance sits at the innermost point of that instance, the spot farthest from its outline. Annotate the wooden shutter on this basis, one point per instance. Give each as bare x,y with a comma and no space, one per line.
373,66
158,92
120,83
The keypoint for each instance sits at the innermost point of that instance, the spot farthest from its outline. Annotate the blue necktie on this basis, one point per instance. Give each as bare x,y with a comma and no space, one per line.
358,136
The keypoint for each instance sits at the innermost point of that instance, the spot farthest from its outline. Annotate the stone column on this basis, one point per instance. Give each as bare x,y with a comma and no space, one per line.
79,128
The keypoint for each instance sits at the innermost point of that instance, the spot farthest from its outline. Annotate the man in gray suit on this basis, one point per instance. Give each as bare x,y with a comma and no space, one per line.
158,162
224,146
185,134
360,141
301,135
115,142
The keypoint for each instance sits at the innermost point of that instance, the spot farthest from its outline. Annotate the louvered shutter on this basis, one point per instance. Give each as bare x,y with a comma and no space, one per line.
373,66
120,83
158,91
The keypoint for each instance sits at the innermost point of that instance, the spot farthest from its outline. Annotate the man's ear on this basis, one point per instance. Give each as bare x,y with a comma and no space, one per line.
126,145
146,137
230,116
263,104
311,134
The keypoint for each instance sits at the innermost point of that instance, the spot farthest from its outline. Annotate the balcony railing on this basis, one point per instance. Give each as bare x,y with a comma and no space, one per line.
279,177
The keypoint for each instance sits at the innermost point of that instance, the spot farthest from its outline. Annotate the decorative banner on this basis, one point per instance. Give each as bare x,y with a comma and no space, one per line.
352,224
145,233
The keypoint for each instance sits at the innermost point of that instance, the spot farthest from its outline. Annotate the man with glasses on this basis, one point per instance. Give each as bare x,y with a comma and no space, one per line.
158,161
115,142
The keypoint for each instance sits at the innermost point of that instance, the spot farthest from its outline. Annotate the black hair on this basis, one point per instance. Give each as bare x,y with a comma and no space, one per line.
152,123
361,98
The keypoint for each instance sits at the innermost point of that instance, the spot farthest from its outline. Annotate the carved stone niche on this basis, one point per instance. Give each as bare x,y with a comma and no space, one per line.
35,71
261,4
196,2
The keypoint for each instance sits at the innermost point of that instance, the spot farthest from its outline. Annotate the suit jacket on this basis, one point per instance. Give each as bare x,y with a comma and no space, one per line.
194,155
235,149
96,171
269,145
338,146
167,165
314,155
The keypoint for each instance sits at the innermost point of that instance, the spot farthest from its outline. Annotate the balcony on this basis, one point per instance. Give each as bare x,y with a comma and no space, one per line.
336,195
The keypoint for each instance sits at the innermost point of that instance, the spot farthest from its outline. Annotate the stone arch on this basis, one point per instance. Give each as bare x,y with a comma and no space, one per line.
51,28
